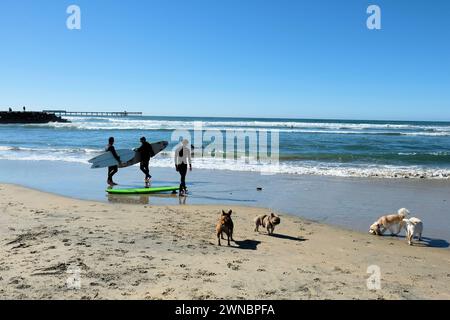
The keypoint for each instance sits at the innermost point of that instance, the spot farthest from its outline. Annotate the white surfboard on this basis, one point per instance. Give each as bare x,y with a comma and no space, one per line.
128,157
106,159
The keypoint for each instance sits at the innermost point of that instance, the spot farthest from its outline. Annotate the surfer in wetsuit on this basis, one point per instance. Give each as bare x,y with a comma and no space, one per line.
113,169
182,159
146,152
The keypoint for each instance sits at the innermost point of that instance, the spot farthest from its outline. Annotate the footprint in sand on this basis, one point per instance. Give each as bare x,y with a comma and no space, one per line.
303,288
168,291
338,269
270,292
206,273
233,266
23,286
15,280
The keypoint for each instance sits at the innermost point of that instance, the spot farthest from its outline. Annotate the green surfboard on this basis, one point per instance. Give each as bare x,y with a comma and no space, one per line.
142,190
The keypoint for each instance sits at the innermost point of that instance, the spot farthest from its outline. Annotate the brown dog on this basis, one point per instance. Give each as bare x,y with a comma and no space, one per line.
225,224
268,222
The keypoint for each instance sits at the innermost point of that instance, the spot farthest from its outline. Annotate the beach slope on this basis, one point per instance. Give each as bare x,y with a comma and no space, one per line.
60,248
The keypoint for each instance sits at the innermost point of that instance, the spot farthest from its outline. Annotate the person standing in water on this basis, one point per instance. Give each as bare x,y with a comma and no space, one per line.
146,152
182,160
113,169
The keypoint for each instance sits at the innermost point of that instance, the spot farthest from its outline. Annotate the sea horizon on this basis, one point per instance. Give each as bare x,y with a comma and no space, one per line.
283,118
294,119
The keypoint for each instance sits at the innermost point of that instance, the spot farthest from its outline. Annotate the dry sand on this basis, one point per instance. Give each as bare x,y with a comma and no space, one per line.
170,252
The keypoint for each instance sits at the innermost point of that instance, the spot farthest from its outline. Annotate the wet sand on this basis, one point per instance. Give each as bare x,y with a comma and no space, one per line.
138,251
352,203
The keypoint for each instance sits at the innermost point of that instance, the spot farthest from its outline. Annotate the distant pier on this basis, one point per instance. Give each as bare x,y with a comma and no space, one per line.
92,113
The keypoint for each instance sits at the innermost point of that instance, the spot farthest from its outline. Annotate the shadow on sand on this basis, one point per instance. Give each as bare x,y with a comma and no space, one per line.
253,244
247,244
426,242
433,243
286,237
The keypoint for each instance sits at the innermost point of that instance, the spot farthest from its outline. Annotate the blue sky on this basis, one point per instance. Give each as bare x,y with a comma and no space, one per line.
293,59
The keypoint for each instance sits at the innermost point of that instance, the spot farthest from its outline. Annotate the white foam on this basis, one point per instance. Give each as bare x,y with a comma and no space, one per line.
165,160
81,123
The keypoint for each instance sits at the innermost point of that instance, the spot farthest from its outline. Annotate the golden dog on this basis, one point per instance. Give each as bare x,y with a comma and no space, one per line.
389,222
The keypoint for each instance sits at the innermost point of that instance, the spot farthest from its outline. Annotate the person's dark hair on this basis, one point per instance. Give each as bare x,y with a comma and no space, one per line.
143,139
111,140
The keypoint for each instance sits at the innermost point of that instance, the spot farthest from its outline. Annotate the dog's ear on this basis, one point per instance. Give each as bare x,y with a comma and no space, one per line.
223,212
230,212
272,215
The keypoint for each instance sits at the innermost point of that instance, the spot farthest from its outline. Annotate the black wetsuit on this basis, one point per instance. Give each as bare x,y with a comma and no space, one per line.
182,169
181,160
146,152
113,169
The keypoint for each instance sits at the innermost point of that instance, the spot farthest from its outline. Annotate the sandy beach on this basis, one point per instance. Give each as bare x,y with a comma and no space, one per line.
131,251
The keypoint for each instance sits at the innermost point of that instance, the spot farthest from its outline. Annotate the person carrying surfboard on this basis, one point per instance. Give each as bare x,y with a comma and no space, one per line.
113,169
182,160
146,152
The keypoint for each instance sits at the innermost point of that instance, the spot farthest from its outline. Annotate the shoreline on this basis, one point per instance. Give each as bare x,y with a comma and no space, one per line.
353,203
432,243
170,252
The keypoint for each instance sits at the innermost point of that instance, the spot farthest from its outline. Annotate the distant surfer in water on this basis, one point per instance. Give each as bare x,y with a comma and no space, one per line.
113,169
146,152
182,159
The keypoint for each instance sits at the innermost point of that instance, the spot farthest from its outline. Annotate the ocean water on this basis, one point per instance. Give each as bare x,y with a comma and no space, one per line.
347,148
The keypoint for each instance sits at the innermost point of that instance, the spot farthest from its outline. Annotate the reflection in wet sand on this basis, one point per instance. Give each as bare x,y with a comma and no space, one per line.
139,198
182,200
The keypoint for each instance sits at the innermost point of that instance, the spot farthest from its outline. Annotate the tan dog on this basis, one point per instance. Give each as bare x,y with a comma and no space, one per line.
389,222
414,227
268,222
225,225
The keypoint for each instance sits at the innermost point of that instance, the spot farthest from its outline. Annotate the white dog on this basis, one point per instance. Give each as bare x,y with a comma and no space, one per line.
414,227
